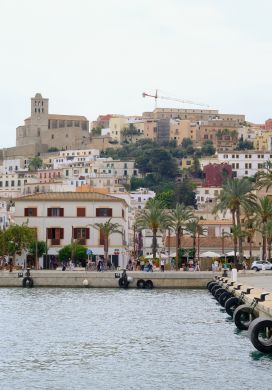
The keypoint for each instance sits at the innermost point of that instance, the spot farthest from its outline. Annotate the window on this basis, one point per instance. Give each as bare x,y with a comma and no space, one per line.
123,213
52,136
81,235
55,212
81,212
55,235
7,184
260,166
12,183
104,212
1,184
206,192
237,165
31,212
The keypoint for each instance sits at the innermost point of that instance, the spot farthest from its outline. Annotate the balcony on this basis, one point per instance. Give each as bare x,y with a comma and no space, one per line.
55,241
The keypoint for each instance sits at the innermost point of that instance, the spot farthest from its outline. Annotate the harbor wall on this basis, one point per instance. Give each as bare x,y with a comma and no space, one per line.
107,279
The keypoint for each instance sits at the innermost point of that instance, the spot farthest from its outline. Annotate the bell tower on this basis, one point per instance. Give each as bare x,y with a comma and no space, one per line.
39,116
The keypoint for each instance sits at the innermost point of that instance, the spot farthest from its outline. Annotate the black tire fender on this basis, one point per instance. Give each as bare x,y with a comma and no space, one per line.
243,316
123,283
215,288
257,329
27,282
141,283
219,292
231,304
224,297
211,285
149,284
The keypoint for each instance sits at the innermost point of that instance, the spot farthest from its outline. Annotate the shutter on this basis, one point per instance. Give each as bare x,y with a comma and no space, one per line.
49,212
61,233
81,212
26,212
61,212
75,233
49,233
98,212
87,233
109,212
34,212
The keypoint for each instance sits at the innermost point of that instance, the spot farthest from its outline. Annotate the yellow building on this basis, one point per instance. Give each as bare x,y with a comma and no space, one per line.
185,163
263,142
180,129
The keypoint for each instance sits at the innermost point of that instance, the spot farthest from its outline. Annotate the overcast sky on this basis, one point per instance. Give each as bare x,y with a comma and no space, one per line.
96,57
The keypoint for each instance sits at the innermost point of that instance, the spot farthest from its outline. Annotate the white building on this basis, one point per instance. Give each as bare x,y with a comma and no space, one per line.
140,197
245,163
4,216
206,195
60,218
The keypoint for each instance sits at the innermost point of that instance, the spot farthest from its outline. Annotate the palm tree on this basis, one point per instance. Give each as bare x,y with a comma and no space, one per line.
264,178
250,228
263,210
153,217
179,217
236,195
269,237
106,229
196,230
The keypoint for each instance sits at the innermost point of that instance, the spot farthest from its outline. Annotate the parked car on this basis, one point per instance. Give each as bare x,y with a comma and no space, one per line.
258,265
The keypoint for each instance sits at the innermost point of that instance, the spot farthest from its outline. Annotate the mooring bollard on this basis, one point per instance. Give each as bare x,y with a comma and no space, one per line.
234,275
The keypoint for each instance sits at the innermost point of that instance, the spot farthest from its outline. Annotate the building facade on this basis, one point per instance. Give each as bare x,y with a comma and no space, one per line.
62,218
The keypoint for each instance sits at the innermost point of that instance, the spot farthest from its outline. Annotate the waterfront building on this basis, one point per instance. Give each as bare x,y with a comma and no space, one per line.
61,218
263,141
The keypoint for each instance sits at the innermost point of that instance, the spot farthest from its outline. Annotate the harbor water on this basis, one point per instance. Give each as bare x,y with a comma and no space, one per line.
123,339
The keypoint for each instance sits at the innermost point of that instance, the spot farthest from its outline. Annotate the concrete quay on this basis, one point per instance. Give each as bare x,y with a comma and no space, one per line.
108,279
261,283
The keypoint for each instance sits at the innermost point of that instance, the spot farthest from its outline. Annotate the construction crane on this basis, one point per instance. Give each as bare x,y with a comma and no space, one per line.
156,97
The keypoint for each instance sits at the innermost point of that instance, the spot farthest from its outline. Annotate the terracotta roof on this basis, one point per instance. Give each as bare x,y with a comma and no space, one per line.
67,117
69,197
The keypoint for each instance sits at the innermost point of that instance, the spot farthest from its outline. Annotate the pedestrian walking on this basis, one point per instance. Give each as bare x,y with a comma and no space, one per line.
162,265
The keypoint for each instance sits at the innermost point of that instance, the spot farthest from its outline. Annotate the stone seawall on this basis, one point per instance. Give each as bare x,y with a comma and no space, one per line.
107,279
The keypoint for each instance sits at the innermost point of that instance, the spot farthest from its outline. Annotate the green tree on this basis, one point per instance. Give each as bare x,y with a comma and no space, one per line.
180,216
184,192
154,217
41,248
53,149
196,230
129,132
106,229
236,195
244,144
96,131
18,238
263,212
264,178
167,198
207,148
35,163
186,142
73,251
